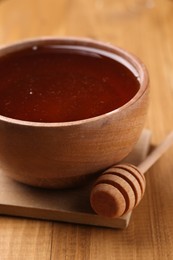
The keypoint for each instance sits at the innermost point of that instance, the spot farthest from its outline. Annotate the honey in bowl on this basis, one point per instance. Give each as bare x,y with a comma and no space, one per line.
53,83
57,88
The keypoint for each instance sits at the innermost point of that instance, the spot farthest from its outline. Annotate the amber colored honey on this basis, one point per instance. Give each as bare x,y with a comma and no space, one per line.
62,84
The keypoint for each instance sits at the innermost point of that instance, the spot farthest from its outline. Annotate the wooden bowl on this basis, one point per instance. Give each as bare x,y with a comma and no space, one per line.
58,155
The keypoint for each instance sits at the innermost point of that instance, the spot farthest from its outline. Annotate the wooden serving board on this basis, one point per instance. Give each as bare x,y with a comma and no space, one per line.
70,205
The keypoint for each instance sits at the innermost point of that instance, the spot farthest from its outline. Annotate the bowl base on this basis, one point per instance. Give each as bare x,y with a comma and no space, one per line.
67,205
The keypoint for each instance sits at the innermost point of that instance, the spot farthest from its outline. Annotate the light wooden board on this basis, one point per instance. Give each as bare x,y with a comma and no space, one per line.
70,205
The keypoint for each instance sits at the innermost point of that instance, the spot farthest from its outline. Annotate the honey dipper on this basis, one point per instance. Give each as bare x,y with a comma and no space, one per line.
120,188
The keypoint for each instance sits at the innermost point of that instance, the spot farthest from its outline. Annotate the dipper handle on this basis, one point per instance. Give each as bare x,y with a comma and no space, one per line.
156,153
120,188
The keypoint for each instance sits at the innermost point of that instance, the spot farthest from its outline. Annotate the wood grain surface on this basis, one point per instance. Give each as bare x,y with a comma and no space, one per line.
148,34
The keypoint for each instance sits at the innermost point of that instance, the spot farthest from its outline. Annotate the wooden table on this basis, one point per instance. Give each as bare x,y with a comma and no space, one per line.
149,35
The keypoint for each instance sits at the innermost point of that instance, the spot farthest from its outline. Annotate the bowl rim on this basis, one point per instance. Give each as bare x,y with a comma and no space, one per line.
90,43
